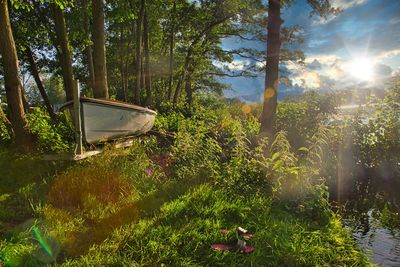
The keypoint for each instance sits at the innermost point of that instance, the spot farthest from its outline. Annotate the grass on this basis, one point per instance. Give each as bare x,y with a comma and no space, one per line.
165,222
182,233
164,203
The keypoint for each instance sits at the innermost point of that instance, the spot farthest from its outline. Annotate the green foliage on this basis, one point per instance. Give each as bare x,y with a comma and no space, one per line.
389,217
4,127
4,134
165,199
301,118
374,133
51,138
18,251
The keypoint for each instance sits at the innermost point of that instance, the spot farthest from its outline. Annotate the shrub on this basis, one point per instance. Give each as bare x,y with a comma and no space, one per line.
51,138
302,118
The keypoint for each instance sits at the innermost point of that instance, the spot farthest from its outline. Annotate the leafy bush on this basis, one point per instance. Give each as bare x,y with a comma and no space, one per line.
4,133
390,217
375,142
51,138
301,118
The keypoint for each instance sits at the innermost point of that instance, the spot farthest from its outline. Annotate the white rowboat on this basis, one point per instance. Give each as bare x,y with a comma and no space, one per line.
105,120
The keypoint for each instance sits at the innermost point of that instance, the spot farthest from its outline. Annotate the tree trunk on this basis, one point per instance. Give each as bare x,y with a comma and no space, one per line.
122,62
88,49
99,51
138,64
188,59
89,56
268,115
171,54
65,53
189,89
183,75
25,101
11,80
35,74
147,75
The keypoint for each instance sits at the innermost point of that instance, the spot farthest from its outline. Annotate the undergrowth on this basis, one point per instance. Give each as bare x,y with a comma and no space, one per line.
164,201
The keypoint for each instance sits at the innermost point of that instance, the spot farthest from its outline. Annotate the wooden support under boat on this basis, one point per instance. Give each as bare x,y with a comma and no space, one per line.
85,154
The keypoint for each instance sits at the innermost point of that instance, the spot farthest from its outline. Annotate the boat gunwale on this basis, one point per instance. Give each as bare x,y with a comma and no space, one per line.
112,103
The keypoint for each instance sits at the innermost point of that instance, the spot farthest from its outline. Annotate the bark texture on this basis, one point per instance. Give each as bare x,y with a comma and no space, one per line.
64,51
99,51
268,115
189,89
171,54
147,74
18,121
122,63
35,73
25,101
138,65
88,49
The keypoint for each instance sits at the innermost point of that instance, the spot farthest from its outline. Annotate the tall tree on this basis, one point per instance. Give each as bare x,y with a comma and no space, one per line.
12,83
64,51
138,65
268,116
206,23
272,67
35,73
99,51
88,49
147,74
122,64
171,52
25,101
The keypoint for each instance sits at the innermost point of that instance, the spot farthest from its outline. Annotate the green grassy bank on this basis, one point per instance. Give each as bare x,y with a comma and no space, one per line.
164,201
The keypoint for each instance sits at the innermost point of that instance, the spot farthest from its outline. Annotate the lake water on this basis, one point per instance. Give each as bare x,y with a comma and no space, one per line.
368,207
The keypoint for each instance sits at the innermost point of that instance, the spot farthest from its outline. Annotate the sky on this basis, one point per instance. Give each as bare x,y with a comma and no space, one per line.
358,48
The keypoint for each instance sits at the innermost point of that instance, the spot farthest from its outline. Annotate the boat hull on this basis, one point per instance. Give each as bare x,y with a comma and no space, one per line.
103,120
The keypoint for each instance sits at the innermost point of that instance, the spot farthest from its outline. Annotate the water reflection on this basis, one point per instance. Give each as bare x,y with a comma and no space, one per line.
370,209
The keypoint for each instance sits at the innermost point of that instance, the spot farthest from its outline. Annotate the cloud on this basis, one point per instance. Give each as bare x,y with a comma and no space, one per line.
370,25
235,65
315,65
366,29
319,71
333,72
382,70
345,4
388,54
324,59
394,21
303,76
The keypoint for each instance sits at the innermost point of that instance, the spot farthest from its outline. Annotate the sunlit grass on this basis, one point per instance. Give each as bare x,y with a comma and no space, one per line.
165,202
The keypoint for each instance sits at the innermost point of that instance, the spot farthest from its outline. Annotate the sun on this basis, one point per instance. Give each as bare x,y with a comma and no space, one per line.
361,68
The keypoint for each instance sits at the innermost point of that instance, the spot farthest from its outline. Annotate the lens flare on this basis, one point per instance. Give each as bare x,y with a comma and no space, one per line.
361,68
246,109
269,93
42,241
